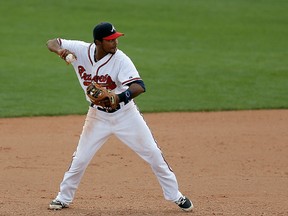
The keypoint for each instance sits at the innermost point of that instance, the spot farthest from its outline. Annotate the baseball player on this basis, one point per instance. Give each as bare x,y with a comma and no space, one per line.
102,63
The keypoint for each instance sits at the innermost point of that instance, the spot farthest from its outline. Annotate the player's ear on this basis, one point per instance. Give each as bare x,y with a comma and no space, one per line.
97,42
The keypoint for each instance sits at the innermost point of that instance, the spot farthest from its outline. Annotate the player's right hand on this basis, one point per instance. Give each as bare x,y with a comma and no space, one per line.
63,53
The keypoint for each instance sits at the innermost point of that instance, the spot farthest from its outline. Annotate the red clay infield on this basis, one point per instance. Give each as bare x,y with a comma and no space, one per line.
228,163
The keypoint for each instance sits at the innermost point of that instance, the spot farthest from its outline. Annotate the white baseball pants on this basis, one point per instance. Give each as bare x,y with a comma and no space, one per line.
129,126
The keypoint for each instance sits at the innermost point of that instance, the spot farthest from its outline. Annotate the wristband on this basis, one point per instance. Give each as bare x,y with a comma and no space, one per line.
125,96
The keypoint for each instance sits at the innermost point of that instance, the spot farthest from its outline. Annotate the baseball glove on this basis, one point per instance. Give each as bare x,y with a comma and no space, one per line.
101,96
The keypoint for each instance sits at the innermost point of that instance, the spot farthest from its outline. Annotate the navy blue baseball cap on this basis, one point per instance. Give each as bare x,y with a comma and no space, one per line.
105,31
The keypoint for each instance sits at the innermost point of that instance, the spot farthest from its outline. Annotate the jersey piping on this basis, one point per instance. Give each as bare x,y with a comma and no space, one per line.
131,80
103,64
89,56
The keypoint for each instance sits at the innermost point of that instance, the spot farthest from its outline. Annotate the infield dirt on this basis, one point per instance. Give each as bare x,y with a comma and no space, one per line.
228,163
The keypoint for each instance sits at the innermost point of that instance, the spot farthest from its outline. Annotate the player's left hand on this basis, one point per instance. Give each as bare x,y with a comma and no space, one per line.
101,96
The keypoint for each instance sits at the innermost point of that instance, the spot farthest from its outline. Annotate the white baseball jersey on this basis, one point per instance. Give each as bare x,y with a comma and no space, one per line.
114,71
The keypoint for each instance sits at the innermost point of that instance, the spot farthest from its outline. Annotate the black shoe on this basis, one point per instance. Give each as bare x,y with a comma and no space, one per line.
185,204
57,205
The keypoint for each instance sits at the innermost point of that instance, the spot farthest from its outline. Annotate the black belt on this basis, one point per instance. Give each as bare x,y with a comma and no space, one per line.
107,109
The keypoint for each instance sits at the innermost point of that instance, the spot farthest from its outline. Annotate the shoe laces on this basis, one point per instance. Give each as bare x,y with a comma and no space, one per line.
59,202
181,200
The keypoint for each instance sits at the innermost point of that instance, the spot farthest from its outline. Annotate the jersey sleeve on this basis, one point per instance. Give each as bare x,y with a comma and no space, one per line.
128,72
71,45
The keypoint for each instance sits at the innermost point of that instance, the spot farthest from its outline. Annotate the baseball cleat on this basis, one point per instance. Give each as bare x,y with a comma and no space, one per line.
185,204
57,205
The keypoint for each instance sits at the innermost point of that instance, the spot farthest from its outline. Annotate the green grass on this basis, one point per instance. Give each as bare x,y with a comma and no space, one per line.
194,55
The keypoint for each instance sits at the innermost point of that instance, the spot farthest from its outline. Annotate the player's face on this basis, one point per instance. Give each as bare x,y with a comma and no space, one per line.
110,46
